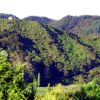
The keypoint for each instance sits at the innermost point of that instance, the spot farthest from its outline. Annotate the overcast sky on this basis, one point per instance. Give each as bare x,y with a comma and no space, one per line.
55,9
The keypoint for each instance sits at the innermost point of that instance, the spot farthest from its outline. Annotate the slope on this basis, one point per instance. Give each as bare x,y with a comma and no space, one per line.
58,57
79,24
42,20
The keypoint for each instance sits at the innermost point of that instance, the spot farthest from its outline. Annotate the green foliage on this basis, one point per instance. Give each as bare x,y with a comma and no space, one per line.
59,92
85,24
30,48
94,73
87,91
13,85
48,50
90,91
75,54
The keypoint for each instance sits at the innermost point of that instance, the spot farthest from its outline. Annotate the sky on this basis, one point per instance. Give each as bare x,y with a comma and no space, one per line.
55,9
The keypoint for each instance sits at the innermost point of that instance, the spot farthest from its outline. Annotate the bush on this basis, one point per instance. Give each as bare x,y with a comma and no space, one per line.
90,91
13,85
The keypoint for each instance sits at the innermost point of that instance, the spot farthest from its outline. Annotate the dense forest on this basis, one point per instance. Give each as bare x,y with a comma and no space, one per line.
37,51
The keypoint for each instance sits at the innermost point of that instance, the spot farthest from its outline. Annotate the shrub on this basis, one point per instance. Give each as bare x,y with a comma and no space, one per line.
90,91
13,85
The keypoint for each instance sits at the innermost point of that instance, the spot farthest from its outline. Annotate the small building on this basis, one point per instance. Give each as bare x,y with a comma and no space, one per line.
10,18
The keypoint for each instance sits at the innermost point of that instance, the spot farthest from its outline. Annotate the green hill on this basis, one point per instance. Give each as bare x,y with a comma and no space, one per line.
58,56
42,20
85,24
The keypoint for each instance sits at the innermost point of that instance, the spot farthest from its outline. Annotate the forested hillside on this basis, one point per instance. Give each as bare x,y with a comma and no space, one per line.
85,24
42,20
36,53
59,57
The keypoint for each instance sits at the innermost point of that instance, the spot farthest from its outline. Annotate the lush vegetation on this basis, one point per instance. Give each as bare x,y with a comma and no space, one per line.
87,91
34,54
85,24
42,20
15,83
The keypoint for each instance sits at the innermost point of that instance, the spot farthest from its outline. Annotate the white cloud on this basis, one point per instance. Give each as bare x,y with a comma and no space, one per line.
50,8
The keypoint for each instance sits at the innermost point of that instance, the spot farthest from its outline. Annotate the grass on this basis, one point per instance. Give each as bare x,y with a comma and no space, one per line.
41,91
